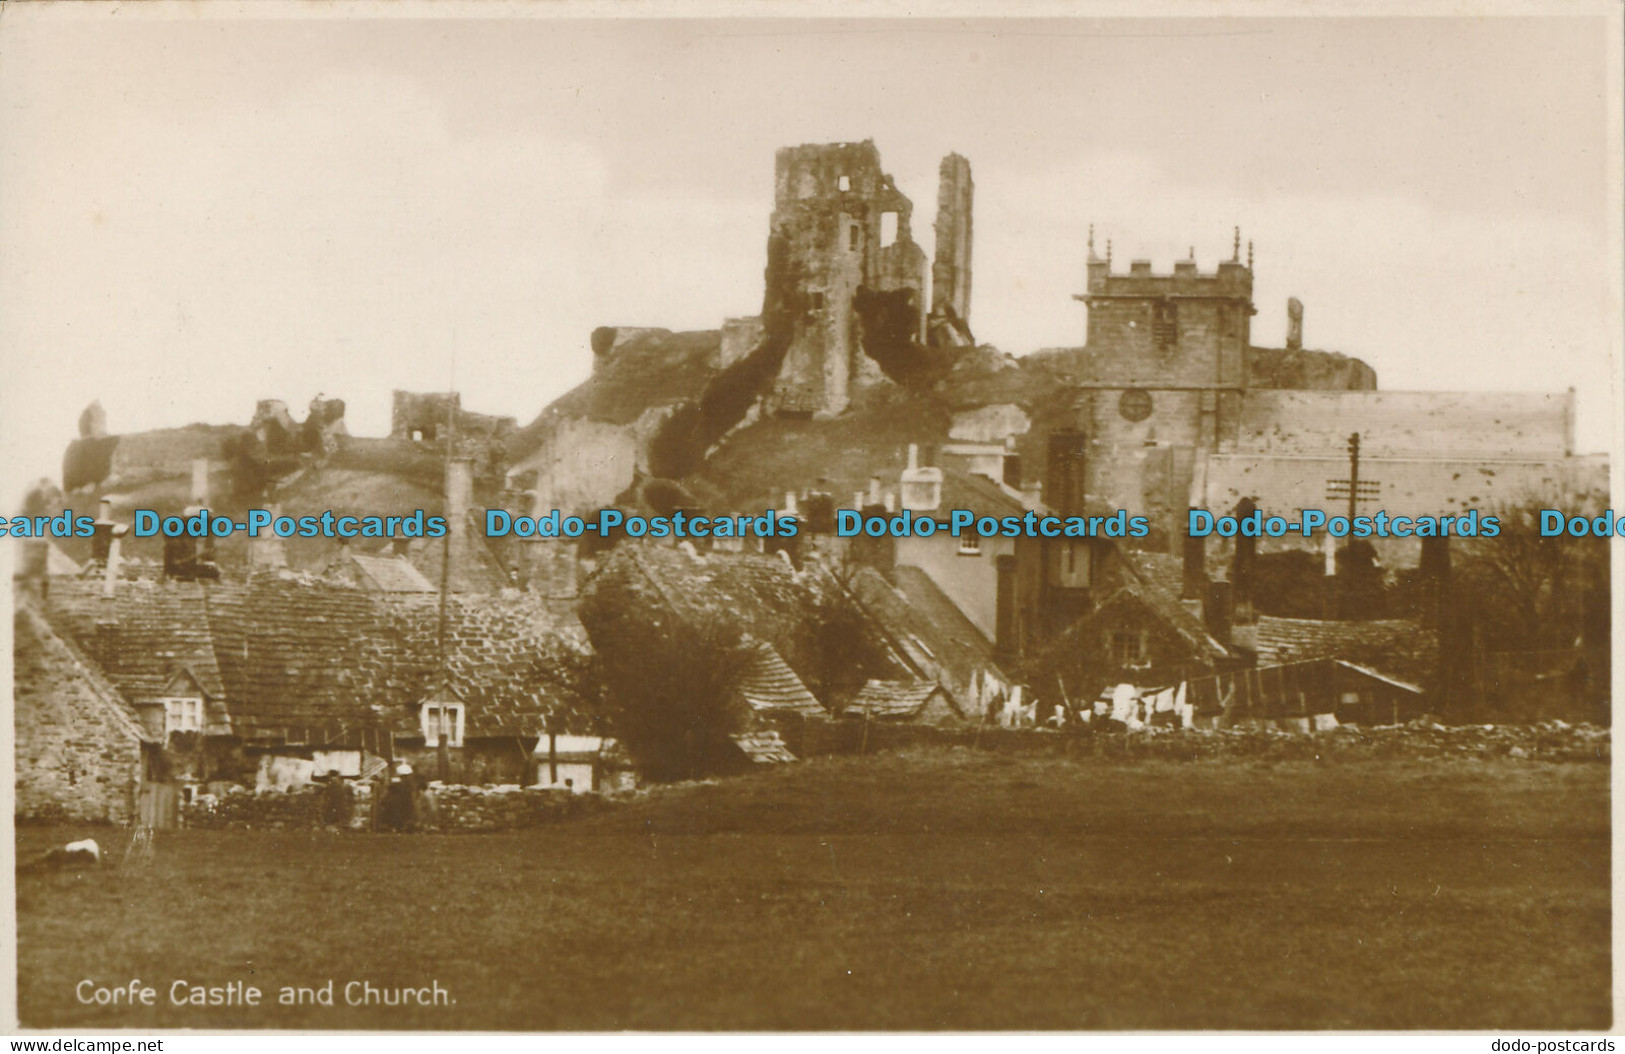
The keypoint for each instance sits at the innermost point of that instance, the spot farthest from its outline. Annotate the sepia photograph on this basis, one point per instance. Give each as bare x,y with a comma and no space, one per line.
563,518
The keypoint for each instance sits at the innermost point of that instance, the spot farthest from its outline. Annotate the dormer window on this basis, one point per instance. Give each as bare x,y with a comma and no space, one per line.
434,715
182,714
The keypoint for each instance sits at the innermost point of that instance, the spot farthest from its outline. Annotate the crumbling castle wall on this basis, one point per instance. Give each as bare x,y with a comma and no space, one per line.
951,270
430,417
841,224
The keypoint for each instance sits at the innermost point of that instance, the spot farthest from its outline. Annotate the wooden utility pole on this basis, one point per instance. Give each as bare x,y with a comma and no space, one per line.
1354,478
443,754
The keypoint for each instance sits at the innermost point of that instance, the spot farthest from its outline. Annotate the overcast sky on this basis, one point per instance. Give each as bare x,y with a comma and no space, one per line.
198,212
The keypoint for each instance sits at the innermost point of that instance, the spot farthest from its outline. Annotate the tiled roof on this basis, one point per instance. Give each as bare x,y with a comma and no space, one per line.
883,699
1160,577
280,657
38,651
1166,571
761,595
503,660
927,627
769,685
296,656
474,568
1171,612
1397,647
968,490
391,574
160,633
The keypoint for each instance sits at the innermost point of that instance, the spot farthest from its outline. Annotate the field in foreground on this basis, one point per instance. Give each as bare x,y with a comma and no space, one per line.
921,891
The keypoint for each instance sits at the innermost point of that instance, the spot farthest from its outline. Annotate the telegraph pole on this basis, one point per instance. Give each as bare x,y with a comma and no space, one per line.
1354,478
443,754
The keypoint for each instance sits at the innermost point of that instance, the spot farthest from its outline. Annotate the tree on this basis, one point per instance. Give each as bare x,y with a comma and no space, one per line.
670,681
1538,608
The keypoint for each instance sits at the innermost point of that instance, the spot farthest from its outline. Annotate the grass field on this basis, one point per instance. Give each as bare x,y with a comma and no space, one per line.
921,891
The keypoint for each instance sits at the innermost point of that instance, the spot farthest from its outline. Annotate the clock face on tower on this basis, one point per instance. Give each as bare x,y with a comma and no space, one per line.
1135,404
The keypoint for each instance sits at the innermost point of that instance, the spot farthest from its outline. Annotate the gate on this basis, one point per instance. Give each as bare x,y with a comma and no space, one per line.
158,806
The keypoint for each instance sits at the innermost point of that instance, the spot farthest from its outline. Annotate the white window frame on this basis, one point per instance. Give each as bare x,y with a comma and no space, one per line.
431,728
970,545
182,713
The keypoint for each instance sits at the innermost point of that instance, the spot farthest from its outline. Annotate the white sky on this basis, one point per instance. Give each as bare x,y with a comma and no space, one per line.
196,212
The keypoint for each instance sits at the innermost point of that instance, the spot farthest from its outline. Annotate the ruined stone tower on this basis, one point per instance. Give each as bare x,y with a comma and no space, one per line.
951,273
840,227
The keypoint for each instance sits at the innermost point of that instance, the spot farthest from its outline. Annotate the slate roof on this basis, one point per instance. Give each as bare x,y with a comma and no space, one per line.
892,699
1396,647
769,685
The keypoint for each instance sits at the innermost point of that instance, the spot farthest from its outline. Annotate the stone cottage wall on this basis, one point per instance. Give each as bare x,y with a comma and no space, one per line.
78,758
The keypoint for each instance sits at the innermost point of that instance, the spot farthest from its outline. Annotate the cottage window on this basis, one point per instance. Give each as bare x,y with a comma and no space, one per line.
815,299
970,545
183,714
1131,649
432,717
852,235
844,182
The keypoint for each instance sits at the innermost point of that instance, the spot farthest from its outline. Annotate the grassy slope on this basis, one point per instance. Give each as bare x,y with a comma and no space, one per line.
936,890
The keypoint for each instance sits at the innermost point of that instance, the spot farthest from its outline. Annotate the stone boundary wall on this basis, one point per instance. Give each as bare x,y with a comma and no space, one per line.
476,810
1548,741
349,806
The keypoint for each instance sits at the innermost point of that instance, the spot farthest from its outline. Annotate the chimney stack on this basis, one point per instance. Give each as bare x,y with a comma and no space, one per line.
1241,568
789,503
921,488
101,541
200,482
1193,582
266,552
110,574
459,492
874,490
